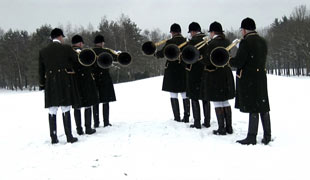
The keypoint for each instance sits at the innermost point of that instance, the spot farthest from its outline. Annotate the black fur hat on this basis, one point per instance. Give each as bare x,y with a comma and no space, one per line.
77,39
175,28
99,39
56,32
194,27
216,27
248,24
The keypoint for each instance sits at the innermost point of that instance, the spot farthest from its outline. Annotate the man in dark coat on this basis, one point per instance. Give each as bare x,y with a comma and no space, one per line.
217,83
194,73
175,76
57,79
104,85
252,93
87,89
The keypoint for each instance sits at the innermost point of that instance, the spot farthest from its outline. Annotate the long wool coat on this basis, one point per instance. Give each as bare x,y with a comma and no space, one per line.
103,80
57,75
86,84
175,73
252,93
217,82
194,71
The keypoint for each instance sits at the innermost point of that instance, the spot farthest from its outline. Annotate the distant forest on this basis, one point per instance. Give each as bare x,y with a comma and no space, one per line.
288,42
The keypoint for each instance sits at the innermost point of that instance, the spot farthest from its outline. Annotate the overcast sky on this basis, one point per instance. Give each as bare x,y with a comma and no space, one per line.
147,14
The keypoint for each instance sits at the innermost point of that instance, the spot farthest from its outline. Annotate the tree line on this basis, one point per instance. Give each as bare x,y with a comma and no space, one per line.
288,42
19,51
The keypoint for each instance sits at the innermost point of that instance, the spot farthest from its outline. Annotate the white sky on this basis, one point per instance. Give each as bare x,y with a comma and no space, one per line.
147,14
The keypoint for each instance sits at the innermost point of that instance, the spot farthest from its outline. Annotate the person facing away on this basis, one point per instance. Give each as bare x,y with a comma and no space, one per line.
251,81
104,84
193,82
87,89
56,78
175,76
217,83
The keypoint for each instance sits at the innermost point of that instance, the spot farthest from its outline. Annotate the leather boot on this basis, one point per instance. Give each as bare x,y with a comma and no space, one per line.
186,105
228,120
106,113
88,129
78,121
219,111
252,132
207,113
196,114
96,115
53,128
175,109
67,126
265,117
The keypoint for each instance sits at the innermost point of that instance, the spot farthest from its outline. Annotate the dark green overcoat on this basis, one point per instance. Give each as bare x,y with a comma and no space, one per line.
103,80
86,84
250,61
57,76
194,71
217,82
175,73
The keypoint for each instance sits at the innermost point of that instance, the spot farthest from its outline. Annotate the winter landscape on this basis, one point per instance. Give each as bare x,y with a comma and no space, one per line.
144,142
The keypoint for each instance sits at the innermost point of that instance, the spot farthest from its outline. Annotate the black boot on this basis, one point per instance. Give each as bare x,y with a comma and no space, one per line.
106,113
53,128
186,105
227,114
265,117
88,129
67,126
219,111
252,132
175,109
96,115
196,114
78,122
207,113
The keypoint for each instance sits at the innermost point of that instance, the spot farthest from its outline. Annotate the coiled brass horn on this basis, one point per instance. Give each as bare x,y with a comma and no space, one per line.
87,57
150,47
191,54
219,56
105,59
172,51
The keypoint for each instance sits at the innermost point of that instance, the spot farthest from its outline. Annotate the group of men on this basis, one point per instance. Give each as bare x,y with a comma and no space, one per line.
68,83
204,80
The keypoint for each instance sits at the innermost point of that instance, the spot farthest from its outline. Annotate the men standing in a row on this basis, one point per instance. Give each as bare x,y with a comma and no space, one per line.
252,93
194,80
87,89
218,82
104,85
175,76
58,82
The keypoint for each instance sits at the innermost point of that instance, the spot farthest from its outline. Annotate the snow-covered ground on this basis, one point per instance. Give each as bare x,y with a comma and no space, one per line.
144,142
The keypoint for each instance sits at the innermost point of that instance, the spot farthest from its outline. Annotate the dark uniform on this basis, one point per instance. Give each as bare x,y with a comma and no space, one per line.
252,93
87,90
175,75
194,73
218,82
58,81
104,85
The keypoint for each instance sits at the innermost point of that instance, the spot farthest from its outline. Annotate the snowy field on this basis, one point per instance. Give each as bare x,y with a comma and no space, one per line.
144,142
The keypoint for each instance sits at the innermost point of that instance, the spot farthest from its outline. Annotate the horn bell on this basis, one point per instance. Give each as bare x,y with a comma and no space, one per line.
87,57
